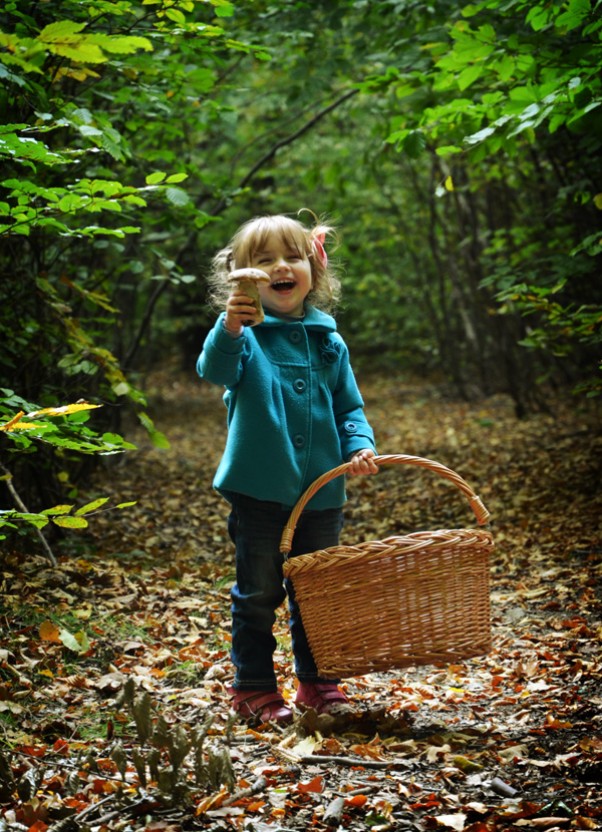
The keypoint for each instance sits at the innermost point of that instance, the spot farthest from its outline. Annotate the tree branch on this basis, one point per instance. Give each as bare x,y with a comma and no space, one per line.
294,136
23,508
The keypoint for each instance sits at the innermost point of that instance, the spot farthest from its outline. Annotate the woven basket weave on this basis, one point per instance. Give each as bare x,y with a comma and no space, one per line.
422,598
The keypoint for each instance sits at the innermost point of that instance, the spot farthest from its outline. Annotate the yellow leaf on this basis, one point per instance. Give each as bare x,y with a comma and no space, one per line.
449,184
16,424
25,426
61,411
13,421
49,632
466,765
598,201
213,801
79,73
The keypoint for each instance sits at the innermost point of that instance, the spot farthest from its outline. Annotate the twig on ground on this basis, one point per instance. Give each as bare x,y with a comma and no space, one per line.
342,761
258,786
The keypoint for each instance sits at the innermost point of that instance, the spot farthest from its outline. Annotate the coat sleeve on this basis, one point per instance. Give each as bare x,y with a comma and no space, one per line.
355,433
221,360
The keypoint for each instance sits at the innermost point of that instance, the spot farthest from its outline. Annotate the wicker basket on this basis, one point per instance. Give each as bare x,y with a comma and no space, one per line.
418,599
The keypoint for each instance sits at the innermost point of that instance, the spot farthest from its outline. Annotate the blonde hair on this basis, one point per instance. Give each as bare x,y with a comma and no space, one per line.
251,238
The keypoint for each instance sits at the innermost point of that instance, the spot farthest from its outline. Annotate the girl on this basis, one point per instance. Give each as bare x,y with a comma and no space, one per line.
294,412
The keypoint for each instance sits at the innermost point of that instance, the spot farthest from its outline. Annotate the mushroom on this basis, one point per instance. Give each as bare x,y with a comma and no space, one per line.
247,282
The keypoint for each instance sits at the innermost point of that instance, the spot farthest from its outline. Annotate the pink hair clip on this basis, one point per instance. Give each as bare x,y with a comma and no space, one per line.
318,241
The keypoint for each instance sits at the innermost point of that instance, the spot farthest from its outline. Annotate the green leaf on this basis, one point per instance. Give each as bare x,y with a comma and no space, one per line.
176,15
37,520
158,438
223,8
77,643
61,30
414,143
71,202
176,177
577,12
83,641
177,196
123,45
93,506
20,148
447,150
538,17
122,388
56,510
469,75
155,178
71,522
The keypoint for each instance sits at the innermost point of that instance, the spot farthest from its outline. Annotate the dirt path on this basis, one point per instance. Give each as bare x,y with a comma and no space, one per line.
512,740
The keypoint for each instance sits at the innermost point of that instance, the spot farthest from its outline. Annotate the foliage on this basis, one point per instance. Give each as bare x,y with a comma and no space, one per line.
67,148
495,184
80,179
65,430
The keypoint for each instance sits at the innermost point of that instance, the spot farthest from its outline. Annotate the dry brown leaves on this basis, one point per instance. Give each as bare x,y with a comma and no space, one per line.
508,742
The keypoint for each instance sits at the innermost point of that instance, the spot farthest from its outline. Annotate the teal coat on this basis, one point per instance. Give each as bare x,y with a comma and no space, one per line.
294,408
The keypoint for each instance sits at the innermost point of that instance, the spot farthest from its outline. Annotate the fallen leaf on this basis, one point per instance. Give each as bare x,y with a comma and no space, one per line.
314,785
357,800
49,632
456,821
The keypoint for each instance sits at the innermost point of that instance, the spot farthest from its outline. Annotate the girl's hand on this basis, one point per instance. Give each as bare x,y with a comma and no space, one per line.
363,462
240,312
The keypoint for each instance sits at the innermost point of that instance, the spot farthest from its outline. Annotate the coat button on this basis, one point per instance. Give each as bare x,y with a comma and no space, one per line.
299,440
299,384
295,336
351,427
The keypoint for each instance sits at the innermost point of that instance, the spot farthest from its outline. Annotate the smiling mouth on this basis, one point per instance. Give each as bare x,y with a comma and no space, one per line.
282,285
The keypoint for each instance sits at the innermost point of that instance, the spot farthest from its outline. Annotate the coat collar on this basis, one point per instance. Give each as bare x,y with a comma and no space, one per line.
314,319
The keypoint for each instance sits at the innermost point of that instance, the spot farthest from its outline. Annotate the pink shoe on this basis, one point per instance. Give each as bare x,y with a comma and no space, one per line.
323,697
260,706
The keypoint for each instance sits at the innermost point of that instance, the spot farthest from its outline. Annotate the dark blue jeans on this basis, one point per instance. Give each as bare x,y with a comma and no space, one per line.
256,526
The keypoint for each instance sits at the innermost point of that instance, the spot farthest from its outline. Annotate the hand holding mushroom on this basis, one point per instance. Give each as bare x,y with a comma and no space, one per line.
243,307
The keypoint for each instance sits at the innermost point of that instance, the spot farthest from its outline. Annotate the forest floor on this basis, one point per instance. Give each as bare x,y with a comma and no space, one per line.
113,666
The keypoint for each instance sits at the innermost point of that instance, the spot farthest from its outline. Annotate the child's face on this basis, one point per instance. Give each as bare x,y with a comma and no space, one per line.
290,276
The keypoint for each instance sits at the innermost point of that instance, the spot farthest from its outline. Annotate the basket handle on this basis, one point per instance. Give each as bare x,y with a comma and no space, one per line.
476,504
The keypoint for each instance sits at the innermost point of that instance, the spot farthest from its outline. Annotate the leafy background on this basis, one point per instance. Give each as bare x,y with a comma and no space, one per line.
457,148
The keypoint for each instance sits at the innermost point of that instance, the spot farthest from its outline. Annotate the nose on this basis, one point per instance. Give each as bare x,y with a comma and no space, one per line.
281,263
